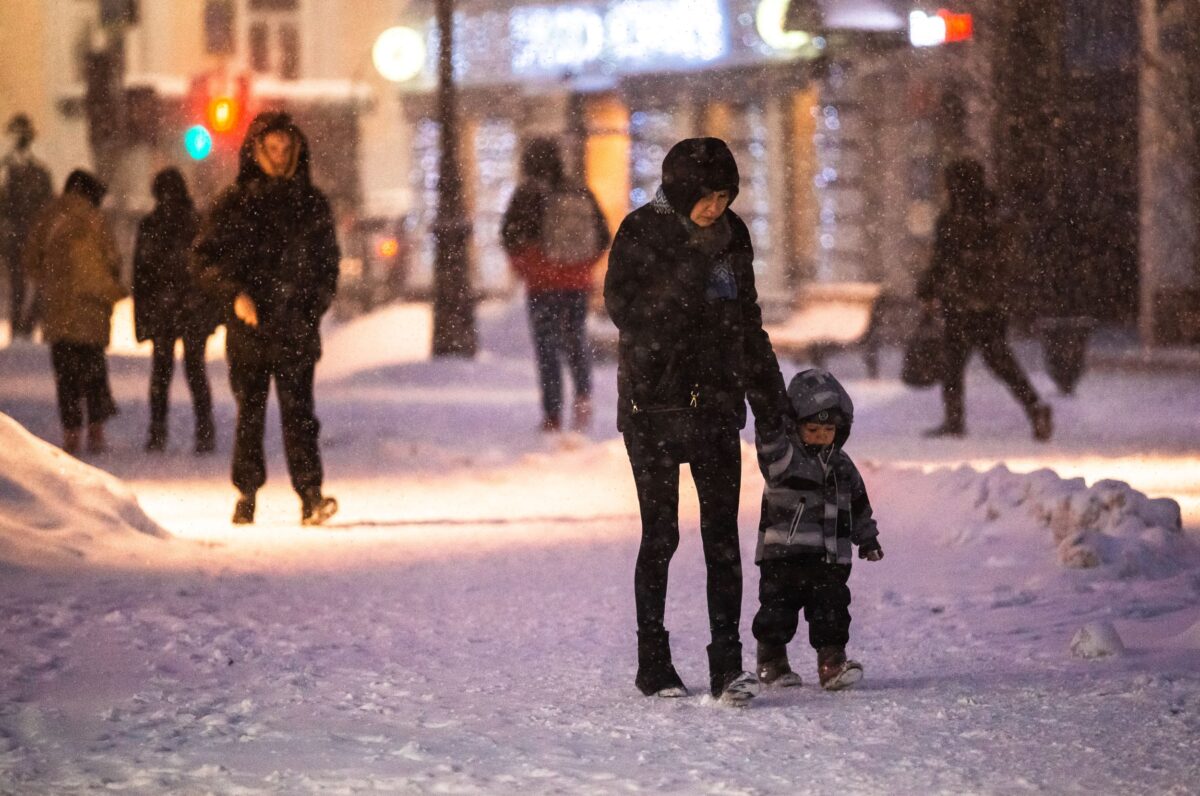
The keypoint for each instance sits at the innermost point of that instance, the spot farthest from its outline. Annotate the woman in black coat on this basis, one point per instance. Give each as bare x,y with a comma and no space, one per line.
680,289
169,306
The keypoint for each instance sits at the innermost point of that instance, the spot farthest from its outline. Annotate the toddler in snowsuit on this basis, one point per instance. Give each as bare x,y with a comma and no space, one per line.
814,506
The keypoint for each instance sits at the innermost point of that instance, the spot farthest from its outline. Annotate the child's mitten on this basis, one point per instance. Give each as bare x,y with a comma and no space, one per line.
870,550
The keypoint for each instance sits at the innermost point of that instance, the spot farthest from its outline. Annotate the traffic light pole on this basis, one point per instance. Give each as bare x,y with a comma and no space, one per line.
453,302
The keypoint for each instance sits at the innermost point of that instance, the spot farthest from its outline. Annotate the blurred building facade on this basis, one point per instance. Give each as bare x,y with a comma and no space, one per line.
840,128
840,122
312,59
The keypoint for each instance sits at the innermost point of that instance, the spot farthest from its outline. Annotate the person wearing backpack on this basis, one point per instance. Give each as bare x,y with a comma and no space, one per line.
554,233
25,190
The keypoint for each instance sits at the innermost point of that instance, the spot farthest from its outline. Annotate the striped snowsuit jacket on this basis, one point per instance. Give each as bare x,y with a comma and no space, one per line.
810,507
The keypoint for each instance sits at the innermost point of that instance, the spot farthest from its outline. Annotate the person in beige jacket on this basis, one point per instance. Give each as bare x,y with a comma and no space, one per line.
71,256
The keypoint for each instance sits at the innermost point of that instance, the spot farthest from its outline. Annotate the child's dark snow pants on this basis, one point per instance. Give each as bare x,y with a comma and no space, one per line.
788,585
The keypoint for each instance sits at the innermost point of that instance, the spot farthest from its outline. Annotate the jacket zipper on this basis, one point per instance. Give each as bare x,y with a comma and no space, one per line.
795,526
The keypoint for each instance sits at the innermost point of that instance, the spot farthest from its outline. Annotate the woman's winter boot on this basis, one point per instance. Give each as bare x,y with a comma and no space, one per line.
835,670
773,667
728,681
656,676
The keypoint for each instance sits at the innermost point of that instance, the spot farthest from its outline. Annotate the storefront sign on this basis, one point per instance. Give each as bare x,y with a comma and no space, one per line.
640,32
931,30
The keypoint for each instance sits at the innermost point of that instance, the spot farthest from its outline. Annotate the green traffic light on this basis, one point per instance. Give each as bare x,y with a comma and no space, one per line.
198,142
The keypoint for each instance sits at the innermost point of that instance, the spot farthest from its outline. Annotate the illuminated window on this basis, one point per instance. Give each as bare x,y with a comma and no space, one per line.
274,38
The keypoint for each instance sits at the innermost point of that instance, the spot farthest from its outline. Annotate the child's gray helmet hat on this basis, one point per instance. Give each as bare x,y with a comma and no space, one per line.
818,397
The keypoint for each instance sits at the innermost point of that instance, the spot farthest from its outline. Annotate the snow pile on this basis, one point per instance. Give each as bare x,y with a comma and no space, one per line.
1097,640
1107,524
55,508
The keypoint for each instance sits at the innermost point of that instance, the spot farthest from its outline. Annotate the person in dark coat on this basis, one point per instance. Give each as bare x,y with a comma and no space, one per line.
71,257
168,305
680,289
554,233
966,281
25,190
268,253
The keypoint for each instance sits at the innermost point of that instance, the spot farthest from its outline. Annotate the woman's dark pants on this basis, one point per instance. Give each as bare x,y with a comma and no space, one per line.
657,446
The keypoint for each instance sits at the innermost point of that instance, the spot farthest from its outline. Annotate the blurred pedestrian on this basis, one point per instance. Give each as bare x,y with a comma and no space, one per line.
554,233
680,288
967,282
268,253
25,190
168,305
71,256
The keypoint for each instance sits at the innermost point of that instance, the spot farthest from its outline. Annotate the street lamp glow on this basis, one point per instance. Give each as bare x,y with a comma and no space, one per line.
399,54
768,19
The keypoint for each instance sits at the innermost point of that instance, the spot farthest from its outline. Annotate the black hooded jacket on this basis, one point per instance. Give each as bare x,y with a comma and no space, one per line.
273,239
684,302
166,300
967,269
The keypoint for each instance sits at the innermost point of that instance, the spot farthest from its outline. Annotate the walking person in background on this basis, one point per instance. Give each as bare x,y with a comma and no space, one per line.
680,289
72,258
168,305
268,253
25,190
554,233
967,283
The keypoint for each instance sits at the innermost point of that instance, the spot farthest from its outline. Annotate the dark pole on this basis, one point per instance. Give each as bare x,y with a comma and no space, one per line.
1031,155
453,303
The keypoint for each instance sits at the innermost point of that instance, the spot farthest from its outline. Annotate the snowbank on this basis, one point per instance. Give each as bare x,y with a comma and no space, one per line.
1108,524
55,509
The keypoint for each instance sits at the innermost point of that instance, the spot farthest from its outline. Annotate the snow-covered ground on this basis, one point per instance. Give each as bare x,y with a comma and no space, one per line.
465,624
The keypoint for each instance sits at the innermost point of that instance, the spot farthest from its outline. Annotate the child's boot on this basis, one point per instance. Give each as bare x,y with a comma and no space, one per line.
835,670
773,667
656,676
